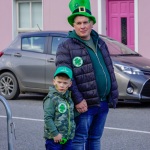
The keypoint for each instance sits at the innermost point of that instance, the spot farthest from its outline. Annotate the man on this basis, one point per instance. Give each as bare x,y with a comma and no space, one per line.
94,83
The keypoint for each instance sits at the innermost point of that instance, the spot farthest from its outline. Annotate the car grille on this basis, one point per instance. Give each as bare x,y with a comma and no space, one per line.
146,89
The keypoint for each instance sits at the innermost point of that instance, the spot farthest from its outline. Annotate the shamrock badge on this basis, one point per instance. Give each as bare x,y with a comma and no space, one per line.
77,61
62,107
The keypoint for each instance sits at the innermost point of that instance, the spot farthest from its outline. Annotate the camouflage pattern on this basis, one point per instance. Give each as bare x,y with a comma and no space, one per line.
58,115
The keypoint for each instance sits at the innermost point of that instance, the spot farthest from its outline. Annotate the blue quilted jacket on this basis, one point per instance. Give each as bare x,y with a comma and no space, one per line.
84,83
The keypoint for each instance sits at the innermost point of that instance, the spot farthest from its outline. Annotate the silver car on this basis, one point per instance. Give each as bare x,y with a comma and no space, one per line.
28,64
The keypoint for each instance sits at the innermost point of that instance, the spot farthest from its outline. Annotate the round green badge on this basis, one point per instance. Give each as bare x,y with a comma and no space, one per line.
77,61
62,107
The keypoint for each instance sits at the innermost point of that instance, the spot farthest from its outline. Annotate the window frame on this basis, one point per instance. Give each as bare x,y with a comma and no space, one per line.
30,29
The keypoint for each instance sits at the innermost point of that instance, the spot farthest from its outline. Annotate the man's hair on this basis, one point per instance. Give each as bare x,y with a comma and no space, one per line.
83,16
90,20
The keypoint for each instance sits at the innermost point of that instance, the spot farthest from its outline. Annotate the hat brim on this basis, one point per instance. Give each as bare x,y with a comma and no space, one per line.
71,17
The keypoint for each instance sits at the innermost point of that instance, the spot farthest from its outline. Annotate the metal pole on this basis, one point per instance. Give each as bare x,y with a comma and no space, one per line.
9,123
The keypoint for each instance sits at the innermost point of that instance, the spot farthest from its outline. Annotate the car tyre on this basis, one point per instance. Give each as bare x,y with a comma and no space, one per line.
9,88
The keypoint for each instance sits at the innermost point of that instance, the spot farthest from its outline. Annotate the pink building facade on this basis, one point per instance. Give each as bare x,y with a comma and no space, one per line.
123,20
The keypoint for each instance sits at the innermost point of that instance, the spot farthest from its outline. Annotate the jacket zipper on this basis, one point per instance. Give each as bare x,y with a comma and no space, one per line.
68,119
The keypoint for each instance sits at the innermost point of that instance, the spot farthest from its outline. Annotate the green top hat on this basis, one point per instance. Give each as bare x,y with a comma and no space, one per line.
65,70
80,8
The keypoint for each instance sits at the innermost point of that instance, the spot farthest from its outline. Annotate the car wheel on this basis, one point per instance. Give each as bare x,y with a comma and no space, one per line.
9,88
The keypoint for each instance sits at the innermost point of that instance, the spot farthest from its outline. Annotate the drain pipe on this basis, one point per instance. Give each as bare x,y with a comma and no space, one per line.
9,123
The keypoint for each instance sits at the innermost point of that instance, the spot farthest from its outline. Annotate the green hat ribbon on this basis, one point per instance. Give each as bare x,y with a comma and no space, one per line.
82,9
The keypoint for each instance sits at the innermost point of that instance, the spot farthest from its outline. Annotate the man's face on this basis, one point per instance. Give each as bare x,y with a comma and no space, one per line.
62,83
83,27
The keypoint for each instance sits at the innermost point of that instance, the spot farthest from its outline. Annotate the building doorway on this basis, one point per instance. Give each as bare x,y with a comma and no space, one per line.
120,21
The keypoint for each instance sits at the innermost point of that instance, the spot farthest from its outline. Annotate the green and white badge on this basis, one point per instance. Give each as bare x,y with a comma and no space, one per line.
77,61
62,107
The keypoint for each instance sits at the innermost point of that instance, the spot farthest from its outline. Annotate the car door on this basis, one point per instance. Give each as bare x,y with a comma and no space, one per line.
29,62
54,41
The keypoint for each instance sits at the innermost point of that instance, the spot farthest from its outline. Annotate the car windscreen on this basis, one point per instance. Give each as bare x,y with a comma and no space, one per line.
118,49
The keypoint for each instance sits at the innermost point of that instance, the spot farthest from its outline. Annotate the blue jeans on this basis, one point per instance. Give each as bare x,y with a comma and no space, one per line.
51,145
90,127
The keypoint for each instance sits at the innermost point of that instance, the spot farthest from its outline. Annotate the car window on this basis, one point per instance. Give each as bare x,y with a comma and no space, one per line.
55,42
35,44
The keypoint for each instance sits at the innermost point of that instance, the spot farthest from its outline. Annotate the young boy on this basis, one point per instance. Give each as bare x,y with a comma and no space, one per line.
59,125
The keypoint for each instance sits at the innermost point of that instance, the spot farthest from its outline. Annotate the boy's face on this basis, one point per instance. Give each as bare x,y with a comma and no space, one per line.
62,83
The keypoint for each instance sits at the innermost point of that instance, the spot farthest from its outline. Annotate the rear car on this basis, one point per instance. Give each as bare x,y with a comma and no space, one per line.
28,64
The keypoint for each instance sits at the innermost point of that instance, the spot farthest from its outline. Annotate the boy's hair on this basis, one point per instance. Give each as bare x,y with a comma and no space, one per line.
62,75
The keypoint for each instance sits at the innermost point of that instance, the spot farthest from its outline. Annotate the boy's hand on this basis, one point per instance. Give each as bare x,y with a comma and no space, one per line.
57,138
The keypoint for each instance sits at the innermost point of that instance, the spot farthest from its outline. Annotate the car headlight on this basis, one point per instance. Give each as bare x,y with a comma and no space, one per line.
129,69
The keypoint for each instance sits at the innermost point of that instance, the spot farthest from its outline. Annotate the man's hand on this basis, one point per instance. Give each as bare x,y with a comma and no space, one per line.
82,106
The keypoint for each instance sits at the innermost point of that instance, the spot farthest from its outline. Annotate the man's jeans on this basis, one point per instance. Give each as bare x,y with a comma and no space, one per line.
90,127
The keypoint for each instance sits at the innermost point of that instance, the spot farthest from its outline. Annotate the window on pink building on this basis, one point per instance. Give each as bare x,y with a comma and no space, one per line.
29,15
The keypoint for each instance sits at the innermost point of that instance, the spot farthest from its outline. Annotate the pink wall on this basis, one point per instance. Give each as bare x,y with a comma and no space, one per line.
144,28
5,23
55,14
54,18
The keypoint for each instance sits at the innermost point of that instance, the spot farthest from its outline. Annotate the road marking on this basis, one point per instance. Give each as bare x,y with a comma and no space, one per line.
128,130
23,118
109,128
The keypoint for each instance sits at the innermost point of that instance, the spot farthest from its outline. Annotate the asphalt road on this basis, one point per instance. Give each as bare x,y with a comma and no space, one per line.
127,127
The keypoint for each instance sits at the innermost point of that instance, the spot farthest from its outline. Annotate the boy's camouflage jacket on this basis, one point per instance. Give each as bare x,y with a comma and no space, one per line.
58,115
